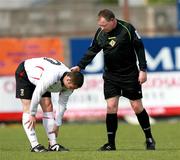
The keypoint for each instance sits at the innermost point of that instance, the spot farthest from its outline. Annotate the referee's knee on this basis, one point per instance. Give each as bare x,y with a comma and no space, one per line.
112,109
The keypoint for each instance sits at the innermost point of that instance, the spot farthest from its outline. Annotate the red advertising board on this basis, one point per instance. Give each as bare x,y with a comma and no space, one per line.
15,50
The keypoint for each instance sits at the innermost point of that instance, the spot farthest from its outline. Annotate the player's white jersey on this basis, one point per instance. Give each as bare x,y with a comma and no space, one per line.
45,69
45,74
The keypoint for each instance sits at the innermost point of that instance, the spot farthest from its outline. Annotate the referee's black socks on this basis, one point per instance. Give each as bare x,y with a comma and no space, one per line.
111,125
143,119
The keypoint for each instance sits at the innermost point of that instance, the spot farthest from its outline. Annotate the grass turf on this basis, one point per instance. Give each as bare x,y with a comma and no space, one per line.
83,139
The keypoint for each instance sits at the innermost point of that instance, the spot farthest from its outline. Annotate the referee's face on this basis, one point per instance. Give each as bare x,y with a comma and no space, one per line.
105,25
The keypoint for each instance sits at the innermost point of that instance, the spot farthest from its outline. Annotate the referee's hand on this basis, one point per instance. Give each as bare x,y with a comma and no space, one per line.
142,77
75,69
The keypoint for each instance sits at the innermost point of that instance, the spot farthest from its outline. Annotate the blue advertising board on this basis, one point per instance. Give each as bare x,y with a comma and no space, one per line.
78,47
178,14
162,53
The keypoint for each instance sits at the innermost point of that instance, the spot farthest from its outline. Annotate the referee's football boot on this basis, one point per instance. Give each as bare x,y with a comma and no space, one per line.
57,147
39,148
150,144
107,147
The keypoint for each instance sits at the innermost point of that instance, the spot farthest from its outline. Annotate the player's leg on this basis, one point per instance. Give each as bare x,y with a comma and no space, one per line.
48,119
49,124
133,92
25,122
31,134
112,100
24,91
111,123
144,122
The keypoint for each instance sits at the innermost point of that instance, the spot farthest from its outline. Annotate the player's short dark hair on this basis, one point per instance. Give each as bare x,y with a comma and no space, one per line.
107,14
77,78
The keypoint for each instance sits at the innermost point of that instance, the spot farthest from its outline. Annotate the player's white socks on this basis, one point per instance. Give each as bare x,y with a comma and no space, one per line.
48,123
31,134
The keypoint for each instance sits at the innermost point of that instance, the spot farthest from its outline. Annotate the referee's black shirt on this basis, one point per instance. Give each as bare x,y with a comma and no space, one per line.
121,48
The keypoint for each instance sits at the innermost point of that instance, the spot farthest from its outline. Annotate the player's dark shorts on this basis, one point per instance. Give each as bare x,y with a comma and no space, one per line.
24,88
130,90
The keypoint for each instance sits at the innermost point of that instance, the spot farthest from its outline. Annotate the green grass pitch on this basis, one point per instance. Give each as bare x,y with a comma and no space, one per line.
83,139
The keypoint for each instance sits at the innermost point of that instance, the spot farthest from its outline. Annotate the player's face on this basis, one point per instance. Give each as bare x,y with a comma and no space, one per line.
106,26
68,83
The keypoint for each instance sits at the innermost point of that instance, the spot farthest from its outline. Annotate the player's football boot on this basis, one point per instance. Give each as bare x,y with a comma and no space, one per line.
107,147
150,144
39,148
57,147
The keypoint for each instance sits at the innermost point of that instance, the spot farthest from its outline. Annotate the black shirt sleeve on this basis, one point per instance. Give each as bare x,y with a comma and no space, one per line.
92,51
139,49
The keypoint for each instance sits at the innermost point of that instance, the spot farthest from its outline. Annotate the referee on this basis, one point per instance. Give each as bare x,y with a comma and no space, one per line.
122,48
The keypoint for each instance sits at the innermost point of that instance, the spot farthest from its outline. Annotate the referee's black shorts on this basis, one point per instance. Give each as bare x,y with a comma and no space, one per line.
131,90
24,88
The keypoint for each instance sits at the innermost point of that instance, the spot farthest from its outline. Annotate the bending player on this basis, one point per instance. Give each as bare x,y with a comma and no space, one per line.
36,78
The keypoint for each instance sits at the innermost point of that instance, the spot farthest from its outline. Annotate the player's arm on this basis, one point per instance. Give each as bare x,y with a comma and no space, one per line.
36,97
43,84
62,102
38,92
40,89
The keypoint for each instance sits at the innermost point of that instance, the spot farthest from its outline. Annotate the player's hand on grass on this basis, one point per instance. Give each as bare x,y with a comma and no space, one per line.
76,69
32,122
55,130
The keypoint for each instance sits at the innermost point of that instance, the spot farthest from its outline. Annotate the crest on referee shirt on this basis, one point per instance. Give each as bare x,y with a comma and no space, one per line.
112,42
